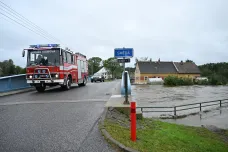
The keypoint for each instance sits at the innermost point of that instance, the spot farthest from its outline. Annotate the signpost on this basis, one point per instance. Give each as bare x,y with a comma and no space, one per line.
123,60
123,55
124,52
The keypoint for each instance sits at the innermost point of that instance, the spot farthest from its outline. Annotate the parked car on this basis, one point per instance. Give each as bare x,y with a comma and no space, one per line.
97,77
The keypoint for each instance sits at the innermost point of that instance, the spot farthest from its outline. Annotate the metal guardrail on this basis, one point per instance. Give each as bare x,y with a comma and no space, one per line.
177,108
12,83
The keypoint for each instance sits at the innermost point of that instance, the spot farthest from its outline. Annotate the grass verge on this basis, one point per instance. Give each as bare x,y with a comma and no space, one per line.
157,136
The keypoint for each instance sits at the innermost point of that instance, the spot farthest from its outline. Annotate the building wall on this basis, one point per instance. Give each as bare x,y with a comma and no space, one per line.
142,78
189,75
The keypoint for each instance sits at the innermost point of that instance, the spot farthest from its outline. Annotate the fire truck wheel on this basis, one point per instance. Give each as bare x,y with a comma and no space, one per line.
41,89
84,82
68,84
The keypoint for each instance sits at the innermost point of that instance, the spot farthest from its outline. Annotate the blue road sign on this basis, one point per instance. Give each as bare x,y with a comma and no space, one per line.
124,53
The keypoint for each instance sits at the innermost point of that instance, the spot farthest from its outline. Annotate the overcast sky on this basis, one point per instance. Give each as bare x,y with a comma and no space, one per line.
171,30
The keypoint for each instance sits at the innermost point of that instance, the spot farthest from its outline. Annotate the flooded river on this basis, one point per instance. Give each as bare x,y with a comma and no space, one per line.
160,96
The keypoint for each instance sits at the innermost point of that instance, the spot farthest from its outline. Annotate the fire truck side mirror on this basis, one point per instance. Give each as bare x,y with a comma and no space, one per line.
23,53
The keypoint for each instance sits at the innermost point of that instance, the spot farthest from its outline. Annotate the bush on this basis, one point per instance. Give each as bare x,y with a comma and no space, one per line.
175,81
217,80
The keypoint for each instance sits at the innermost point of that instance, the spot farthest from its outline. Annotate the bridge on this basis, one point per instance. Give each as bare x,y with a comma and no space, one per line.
58,120
55,120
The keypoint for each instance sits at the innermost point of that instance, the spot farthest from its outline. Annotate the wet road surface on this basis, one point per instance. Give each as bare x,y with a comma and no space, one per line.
55,120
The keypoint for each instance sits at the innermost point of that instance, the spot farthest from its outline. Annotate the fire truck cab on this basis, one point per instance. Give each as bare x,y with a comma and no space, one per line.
51,65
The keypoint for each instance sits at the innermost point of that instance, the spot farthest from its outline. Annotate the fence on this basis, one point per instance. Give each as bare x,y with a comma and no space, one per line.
177,108
11,83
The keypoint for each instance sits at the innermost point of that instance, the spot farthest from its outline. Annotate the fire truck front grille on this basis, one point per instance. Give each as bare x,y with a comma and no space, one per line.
43,76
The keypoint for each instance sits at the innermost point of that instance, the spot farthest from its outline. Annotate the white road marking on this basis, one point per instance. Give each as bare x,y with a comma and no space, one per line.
53,101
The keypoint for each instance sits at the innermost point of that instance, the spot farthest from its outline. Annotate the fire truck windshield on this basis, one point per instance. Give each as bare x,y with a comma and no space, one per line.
43,57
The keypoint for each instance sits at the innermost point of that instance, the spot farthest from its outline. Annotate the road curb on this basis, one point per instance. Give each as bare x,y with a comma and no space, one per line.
109,138
16,92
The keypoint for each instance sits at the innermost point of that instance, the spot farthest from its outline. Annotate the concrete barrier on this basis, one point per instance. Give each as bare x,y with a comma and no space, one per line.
12,83
128,82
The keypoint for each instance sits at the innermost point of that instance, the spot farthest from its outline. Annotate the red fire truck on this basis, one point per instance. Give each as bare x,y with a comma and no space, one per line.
51,65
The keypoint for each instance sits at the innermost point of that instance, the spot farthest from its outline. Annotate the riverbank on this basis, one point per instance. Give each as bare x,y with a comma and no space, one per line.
154,135
179,81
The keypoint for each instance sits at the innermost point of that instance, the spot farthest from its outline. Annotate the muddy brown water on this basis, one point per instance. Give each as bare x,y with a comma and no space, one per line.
158,96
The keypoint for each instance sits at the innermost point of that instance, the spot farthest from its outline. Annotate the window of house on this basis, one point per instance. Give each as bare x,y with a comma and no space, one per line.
145,78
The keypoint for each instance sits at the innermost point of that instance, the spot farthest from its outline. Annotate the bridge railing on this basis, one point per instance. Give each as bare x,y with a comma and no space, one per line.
183,107
12,83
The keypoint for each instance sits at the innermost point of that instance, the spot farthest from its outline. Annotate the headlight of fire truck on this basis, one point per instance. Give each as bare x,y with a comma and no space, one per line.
56,76
30,76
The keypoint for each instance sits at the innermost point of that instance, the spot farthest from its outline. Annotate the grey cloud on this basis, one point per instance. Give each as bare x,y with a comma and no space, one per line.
171,30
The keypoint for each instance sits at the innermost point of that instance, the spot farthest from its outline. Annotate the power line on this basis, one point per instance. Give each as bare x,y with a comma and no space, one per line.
8,8
39,31
15,20
25,26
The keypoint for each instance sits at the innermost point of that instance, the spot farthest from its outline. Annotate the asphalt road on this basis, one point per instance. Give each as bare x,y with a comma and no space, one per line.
55,121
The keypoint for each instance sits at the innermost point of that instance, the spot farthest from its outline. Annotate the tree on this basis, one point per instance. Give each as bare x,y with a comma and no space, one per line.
188,60
113,67
216,72
94,65
19,70
7,68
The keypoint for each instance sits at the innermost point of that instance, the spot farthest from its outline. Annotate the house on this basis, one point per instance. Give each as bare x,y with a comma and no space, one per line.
104,72
162,69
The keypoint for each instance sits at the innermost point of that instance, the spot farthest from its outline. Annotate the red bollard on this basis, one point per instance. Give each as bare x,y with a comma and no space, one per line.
133,121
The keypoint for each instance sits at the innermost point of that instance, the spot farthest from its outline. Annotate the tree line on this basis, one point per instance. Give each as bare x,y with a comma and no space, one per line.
216,72
111,65
8,68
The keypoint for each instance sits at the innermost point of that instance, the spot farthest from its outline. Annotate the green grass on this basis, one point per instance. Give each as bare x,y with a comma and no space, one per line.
157,136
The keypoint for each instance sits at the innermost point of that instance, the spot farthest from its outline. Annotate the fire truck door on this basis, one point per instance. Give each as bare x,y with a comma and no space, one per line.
79,69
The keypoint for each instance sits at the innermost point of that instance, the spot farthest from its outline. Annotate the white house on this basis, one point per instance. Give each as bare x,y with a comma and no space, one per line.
104,72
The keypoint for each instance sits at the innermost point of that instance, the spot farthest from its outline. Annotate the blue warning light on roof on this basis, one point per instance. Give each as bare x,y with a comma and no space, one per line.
44,45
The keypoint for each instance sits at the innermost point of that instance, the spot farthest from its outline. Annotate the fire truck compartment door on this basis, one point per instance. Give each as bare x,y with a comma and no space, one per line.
79,69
